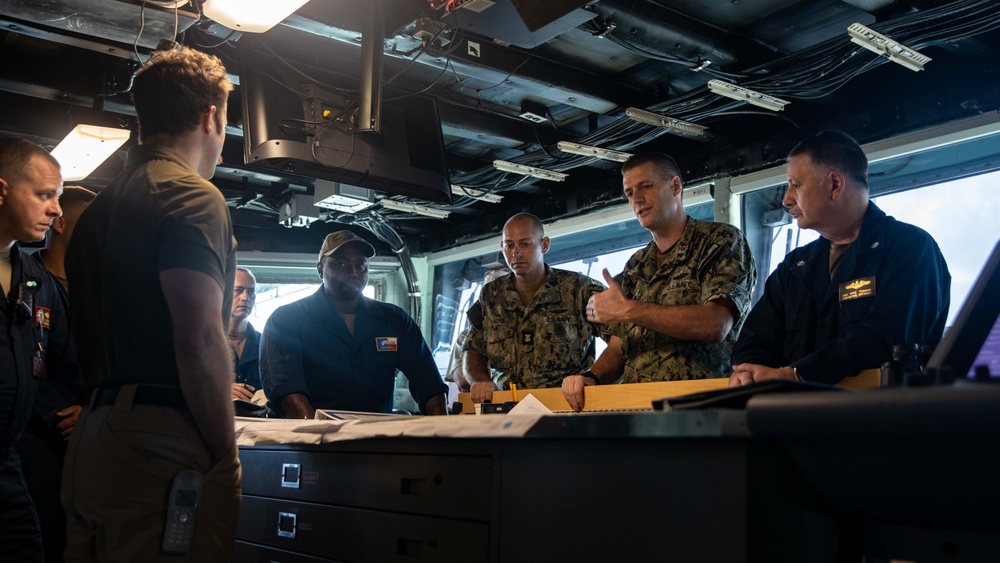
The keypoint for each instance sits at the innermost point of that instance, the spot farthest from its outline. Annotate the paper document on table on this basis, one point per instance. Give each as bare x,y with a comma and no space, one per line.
492,426
267,431
329,414
529,405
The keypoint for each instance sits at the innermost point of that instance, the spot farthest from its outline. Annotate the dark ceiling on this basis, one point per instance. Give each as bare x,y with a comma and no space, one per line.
576,65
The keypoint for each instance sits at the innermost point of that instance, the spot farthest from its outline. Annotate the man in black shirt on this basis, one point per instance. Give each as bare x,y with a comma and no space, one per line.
155,256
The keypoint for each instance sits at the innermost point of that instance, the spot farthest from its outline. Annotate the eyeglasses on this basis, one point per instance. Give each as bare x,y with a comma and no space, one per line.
360,267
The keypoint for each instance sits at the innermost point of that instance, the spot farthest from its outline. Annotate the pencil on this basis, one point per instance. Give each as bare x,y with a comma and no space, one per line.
513,391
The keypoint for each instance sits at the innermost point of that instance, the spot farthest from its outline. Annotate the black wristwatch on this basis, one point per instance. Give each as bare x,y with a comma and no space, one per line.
592,375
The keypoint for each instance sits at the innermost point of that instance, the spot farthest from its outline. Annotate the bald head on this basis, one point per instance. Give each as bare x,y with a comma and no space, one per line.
524,245
533,223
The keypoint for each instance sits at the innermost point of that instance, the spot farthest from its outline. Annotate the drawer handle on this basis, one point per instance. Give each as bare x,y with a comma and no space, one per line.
291,474
413,548
417,486
286,524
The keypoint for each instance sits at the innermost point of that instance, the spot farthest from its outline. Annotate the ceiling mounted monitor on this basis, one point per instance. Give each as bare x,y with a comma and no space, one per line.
297,127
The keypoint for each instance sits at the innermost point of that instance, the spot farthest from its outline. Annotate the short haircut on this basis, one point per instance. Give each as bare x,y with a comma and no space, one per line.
836,151
249,273
16,155
665,166
74,196
176,87
536,224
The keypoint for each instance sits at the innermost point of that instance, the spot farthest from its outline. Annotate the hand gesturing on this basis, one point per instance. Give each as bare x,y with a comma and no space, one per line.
609,305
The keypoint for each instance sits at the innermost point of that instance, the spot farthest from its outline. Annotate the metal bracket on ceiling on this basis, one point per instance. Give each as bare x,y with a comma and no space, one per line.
606,28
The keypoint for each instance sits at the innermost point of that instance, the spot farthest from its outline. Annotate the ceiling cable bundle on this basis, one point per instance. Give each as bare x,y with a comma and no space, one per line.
810,74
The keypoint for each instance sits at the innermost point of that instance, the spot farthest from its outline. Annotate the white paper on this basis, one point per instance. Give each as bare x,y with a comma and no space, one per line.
269,431
529,405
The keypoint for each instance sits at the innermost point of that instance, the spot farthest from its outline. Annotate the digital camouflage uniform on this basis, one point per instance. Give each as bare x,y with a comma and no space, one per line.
710,261
536,345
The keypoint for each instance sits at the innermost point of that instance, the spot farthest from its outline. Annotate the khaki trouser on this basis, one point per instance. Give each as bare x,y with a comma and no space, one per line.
120,464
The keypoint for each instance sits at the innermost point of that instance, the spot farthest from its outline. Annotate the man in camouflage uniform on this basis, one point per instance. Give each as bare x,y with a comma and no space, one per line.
676,310
529,326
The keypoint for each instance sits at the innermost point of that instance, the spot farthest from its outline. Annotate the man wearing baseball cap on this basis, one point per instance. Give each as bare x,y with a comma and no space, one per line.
338,349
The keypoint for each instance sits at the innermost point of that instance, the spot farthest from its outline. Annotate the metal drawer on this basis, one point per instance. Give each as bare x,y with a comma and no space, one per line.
357,535
244,552
420,484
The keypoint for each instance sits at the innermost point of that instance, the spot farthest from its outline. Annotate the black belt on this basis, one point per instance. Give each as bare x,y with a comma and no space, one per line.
144,395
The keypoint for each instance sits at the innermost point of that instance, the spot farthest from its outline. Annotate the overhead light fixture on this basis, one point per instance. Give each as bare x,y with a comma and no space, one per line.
481,195
596,152
253,16
676,126
746,95
85,148
515,168
882,45
533,111
701,65
412,208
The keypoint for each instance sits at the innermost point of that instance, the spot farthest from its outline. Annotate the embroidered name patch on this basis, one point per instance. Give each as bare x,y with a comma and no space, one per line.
386,343
42,317
856,289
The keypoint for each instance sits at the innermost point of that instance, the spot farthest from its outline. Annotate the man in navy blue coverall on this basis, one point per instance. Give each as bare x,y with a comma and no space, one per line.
838,305
337,349
35,331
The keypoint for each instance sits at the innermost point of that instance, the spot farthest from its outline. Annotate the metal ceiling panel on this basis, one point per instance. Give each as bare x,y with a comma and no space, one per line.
110,20
502,22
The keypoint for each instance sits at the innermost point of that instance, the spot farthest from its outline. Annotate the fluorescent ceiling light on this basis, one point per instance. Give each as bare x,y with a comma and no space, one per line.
529,170
678,126
85,148
254,16
882,45
746,95
596,152
411,208
481,195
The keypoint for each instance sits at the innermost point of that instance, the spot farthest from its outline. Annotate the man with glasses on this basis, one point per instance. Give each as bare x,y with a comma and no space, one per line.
675,311
338,349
